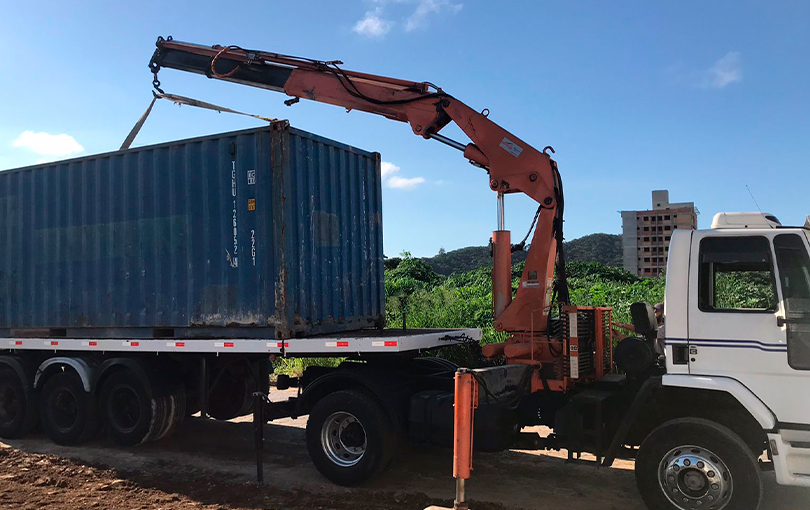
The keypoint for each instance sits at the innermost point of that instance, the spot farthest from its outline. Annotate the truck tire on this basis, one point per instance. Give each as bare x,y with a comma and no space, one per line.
69,414
350,437
174,412
126,408
231,396
692,463
18,409
131,417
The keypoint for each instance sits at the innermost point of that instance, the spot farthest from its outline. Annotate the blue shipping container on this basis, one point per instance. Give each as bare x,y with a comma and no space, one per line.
270,232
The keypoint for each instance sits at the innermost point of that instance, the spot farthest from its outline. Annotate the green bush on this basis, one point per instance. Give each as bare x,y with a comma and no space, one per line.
464,300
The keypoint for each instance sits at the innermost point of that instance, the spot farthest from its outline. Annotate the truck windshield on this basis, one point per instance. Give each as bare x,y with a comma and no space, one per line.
794,278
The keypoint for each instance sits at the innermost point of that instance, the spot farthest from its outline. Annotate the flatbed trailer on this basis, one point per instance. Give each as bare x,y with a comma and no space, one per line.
142,389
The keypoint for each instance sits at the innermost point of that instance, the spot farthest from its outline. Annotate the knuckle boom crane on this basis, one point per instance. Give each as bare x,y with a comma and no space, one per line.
513,165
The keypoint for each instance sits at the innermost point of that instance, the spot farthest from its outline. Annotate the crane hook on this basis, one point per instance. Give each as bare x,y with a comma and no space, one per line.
548,148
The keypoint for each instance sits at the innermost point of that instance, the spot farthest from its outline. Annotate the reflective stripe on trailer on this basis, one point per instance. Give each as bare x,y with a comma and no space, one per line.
385,343
337,346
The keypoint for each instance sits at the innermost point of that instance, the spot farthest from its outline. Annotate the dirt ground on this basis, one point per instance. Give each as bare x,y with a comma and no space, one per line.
211,465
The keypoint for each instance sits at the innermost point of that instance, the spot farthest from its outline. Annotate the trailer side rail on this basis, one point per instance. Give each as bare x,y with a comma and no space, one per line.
385,341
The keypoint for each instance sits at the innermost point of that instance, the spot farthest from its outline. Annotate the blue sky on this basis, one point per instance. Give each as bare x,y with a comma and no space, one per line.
701,98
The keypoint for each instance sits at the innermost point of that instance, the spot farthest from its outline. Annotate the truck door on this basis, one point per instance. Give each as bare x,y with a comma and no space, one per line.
793,264
738,321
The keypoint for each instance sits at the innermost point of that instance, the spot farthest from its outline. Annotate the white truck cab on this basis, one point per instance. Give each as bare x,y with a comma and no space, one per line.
737,314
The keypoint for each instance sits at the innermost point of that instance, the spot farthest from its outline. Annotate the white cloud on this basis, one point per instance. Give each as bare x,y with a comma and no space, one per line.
387,168
425,8
46,144
387,171
724,72
373,24
376,24
406,183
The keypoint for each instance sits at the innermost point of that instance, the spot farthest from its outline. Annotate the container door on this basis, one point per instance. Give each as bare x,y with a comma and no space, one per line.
251,213
735,329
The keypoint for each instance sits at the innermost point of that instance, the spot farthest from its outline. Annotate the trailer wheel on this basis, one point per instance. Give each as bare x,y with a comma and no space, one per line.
231,395
126,408
692,463
131,416
18,412
69,414
350,437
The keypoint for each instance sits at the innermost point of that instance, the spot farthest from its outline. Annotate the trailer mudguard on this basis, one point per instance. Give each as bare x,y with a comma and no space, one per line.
20,368
136,366
85,371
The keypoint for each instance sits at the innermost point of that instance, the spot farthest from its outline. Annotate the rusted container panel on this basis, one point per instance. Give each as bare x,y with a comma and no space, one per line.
271,232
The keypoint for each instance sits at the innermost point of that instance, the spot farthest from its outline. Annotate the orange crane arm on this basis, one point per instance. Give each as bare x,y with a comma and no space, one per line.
513,165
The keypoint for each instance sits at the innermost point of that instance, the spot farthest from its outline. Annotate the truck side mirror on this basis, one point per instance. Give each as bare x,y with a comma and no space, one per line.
643,318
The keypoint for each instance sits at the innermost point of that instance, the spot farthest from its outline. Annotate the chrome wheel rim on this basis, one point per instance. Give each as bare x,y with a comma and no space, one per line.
343,439
693,477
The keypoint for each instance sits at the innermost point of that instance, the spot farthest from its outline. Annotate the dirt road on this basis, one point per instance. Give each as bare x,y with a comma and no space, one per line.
210,464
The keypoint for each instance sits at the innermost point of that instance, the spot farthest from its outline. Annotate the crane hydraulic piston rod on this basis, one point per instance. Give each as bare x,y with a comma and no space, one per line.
513,165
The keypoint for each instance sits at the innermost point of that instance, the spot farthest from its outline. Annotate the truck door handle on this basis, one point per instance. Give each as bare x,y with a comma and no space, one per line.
781,321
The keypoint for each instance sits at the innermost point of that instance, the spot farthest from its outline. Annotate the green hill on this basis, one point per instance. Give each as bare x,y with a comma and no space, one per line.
466,259
604,249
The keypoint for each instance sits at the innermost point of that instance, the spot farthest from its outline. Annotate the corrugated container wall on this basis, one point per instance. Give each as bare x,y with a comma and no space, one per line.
271,232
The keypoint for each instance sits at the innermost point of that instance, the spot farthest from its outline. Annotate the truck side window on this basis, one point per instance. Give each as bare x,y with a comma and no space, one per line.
794,277
736,275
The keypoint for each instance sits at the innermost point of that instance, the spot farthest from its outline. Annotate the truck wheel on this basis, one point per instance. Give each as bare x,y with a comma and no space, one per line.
350,438
17,412
69,414
692,463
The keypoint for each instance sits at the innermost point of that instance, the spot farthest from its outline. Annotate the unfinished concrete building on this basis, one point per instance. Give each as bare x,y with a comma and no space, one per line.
646,234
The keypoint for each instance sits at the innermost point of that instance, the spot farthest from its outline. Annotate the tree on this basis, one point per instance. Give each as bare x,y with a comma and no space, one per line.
391,263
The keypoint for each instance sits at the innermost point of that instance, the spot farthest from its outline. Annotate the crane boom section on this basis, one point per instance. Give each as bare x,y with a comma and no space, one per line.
513,165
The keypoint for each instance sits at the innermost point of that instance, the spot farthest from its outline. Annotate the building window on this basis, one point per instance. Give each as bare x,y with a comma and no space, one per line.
647,249
646,259
674,226
646,218
666,217
667,228
668,238
646,239
646,229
